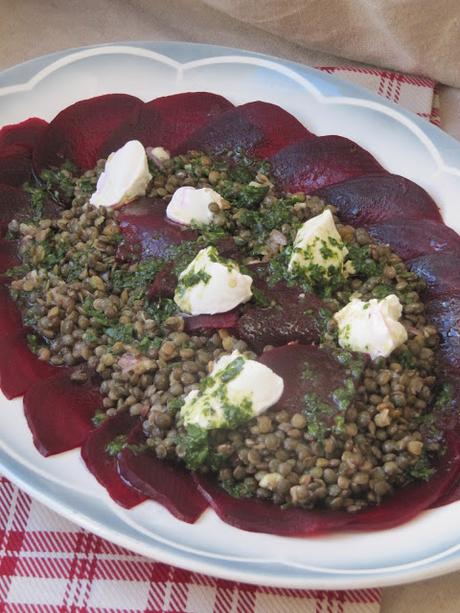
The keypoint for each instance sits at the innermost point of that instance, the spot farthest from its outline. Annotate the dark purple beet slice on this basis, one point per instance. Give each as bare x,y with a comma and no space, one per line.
295,317
27,132
182,114
59,412
211,322
227,132
258,128
15,165
278,126
311,164
378,198
14,204
445,314
406,503
20,369
309,370
146,230
164,283
169,484
168,121
10,316
440,271
259,516
8,255
417,237
103,465
79,131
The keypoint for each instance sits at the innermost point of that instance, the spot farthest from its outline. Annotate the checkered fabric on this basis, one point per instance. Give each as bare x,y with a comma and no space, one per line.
48,564
417,94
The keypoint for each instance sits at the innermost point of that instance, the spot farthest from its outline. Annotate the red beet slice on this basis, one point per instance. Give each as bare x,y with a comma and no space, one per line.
211,322
59,412
295,317
228,131
79,132
313,371
20,369
259,516
279,127
169,484
378,198
440,271
8,255
164,284
14,204
416,237
445,314
258,128
103,465
168,121
10,316
311,164
15,165
146,230
26,133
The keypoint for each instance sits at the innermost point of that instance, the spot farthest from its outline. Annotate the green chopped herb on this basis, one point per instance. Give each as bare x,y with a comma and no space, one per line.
99,418
116,445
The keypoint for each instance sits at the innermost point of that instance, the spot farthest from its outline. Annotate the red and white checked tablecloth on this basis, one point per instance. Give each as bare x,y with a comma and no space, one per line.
48,564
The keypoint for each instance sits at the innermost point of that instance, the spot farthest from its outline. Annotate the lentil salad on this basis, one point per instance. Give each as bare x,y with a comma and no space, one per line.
85,306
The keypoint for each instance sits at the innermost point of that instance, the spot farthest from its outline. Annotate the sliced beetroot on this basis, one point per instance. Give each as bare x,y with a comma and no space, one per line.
416,237
26,133
164,283
227,132
103,465
211,322
279,128
445,314
169,484
79,132
8,255
15,165
257,128
311,164
14,204
314,381
10,316
168,121
259,516
59,412
295,317
146,230
290,314
440,271
375,199
20,369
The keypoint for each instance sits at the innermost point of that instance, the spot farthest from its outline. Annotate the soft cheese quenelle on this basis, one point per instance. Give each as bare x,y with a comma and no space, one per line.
318,247
211,285
371,327
190,205
126,176
236,390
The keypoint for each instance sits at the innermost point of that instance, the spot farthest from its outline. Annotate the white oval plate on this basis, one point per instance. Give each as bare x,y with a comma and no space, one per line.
404,144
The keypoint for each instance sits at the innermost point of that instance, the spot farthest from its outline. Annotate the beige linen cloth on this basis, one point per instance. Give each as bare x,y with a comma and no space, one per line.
415,36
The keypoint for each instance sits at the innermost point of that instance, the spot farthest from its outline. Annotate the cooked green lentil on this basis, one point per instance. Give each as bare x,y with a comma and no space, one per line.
85,307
